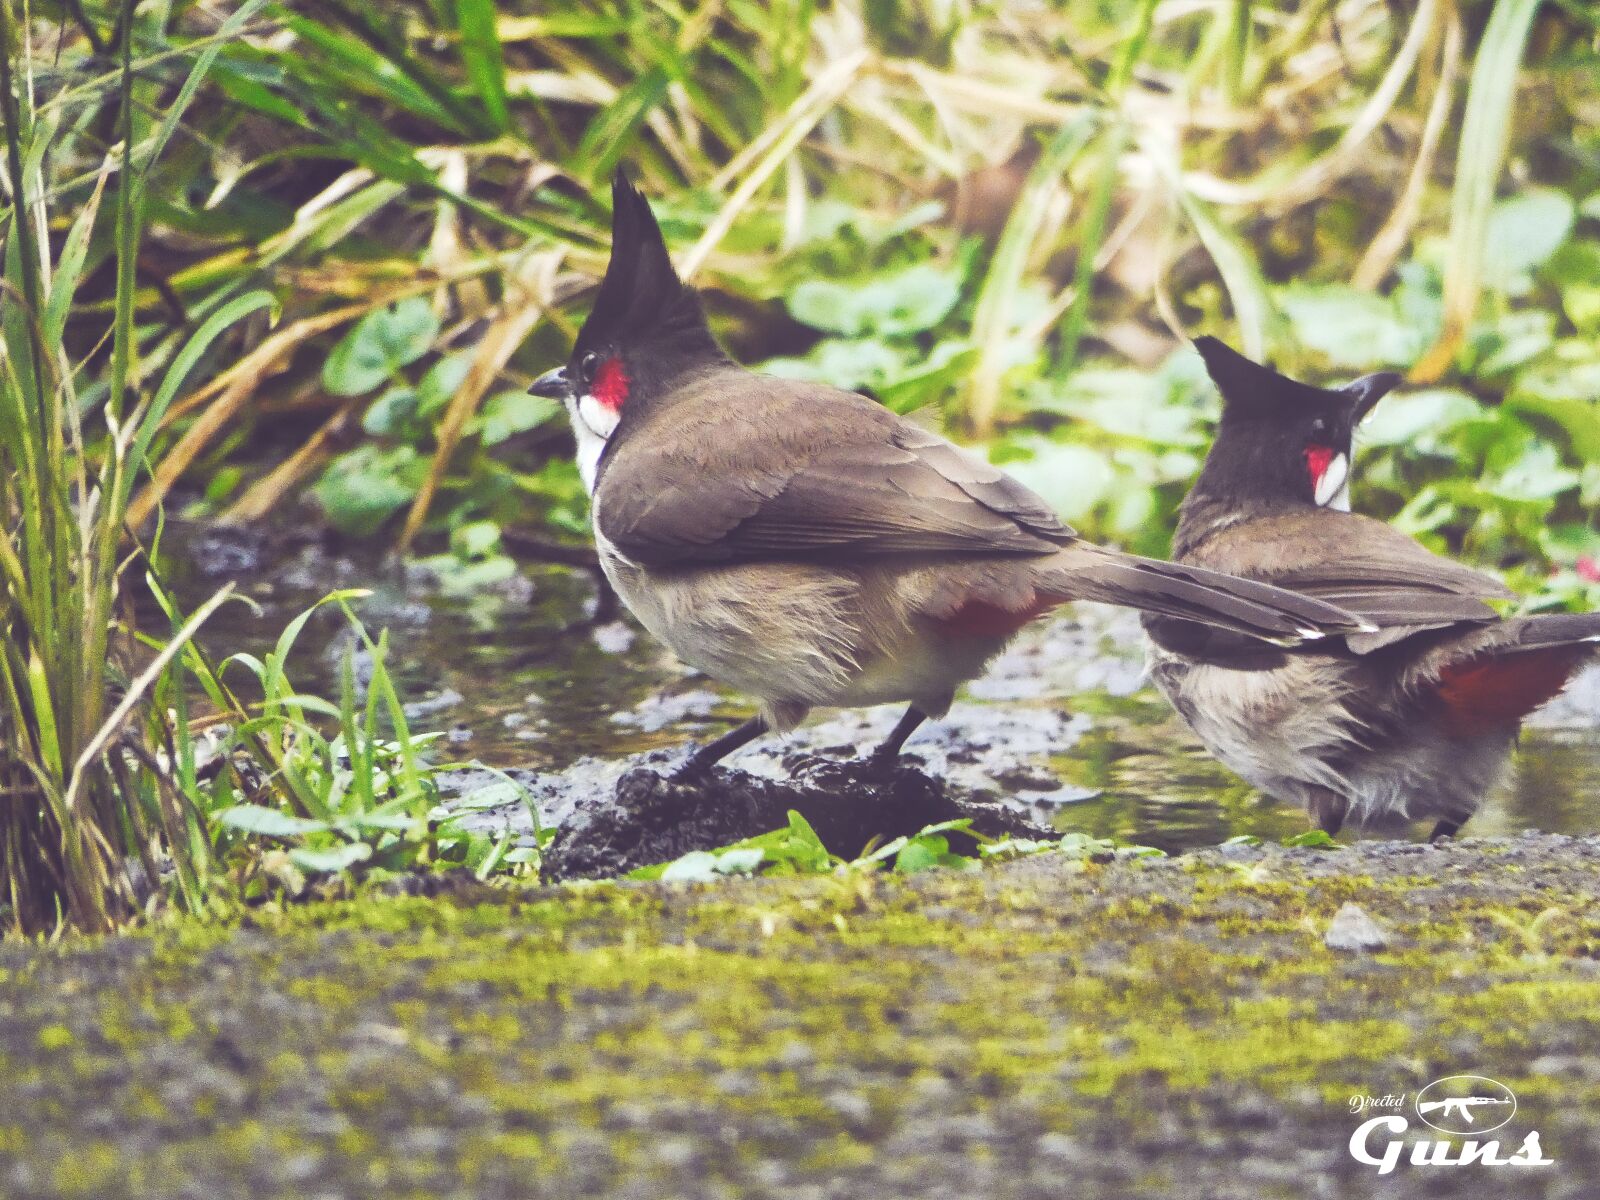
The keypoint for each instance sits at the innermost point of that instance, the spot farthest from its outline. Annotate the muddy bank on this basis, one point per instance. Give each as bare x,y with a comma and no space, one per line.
612,816
648,816
1175,1028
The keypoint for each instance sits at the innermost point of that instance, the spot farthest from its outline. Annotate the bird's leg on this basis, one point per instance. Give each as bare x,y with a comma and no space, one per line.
1327,810
889,749
1444,829
713,752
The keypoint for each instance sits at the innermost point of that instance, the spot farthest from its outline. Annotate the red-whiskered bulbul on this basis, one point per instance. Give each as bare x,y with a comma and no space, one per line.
807,545
1414,721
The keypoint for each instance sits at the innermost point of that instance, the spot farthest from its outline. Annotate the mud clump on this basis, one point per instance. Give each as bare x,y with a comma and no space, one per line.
650,817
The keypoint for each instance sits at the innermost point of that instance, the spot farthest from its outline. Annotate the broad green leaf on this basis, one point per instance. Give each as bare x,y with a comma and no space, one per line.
1418,419
921,854
1582,302
362,489
441,383
328,862
1353,328
508,413
1126,402
379,344
387,415
909,301
1537,475
1513,340
1523,231
928,380
854,364
1579,420
475,539
268,822
458,578
1571,372
1073,478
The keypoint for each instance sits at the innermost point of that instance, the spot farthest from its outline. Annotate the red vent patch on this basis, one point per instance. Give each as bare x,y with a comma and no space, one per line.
979,618
1487,695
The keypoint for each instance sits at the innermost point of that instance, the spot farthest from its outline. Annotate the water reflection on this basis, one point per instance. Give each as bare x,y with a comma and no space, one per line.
523,676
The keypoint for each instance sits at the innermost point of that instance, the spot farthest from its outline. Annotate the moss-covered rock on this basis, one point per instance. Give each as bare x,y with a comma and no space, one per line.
1041,1028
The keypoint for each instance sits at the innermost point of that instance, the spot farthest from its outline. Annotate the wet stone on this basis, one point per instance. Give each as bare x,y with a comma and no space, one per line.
1352,928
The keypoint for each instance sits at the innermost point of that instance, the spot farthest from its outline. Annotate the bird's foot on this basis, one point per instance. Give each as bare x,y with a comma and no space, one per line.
879,764
690,771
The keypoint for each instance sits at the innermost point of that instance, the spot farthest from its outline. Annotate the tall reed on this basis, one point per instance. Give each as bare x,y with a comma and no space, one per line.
85,809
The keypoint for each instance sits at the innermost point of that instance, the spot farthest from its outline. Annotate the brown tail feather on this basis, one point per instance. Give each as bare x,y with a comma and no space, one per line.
1551,629
1259,610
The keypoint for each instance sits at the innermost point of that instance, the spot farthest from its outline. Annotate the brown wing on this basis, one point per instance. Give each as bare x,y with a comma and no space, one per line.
1361,565
745,467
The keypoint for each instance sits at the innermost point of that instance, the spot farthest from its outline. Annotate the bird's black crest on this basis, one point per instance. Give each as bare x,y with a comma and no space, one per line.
641,296
1250,389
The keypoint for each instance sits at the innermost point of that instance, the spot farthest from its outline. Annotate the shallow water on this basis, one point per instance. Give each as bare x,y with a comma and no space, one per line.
1063,724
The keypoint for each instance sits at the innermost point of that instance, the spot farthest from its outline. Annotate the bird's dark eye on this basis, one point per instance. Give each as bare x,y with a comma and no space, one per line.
1319,428
588,365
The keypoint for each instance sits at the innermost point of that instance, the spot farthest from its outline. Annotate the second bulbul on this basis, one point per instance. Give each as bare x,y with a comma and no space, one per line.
1414,721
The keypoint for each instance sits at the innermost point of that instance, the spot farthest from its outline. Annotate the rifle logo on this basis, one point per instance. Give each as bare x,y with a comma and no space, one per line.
1466,1105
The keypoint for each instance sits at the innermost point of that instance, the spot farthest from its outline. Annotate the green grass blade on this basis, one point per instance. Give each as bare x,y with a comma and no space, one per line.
188,358
484,59
1252,307
992,319
1485,132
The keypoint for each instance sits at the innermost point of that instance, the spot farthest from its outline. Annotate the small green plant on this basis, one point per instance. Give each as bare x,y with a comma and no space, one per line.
1316,839
300,787
793,850
797,850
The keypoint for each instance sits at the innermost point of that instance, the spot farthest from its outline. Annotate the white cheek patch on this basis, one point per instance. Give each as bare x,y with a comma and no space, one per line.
591,445
1331,489
600,419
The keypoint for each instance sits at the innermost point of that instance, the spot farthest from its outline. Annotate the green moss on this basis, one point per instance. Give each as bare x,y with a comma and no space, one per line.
806,1015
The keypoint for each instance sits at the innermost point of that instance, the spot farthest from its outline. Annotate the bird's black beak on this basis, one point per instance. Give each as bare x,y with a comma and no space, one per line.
552,384
1365,393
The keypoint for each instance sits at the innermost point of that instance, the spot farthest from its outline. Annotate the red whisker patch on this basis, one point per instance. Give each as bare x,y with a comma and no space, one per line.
1487,695
1317,460
611,384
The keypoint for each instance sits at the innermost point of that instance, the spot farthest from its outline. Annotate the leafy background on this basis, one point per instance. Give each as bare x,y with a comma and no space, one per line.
1005,215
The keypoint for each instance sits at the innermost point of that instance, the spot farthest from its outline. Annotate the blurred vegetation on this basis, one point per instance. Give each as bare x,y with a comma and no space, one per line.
263,255
1005,212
